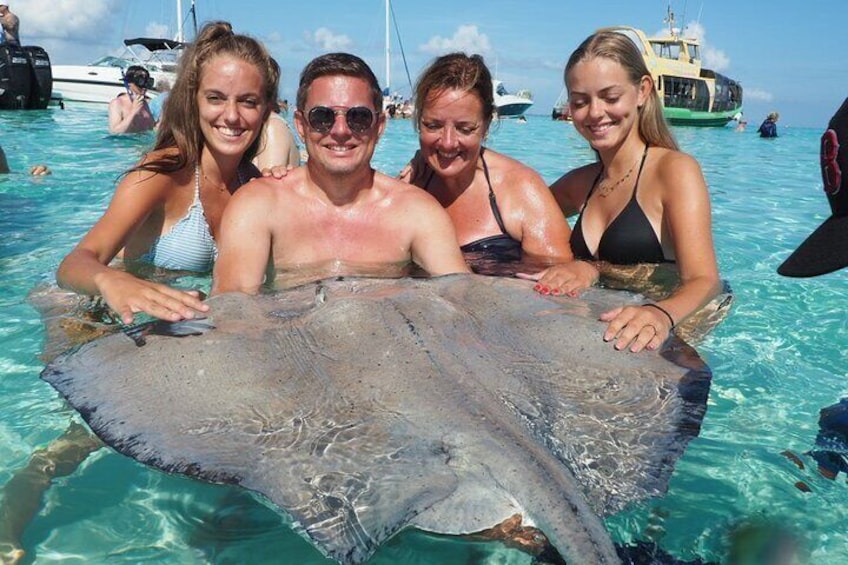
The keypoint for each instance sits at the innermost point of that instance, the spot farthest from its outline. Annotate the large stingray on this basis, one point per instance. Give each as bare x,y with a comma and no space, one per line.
363,406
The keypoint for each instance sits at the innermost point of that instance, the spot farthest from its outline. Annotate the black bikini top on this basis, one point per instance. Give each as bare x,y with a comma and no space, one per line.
629,239
502,246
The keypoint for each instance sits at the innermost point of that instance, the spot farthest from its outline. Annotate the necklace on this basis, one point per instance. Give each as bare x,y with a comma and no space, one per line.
197,179
605,189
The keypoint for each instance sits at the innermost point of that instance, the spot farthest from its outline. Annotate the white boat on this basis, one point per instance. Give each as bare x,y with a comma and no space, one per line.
511,105
561,111
396,105
102,80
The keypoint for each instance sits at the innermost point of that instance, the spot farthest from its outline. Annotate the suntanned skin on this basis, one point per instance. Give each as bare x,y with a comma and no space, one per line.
672,193
129,112
147,205
10,24
449,166
277,147
337,208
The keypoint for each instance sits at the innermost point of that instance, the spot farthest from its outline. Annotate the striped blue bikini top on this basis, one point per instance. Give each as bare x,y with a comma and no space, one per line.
188,245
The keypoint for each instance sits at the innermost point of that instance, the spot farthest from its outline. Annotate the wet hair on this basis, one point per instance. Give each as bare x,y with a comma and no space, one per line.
138,75
180,125
456,71
333,64
617,47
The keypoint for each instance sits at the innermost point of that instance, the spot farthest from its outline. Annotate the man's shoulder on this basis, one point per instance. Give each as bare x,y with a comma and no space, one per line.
119,100
397,189
269,189
413,201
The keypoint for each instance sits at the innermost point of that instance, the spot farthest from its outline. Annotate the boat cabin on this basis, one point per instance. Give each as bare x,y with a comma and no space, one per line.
691,94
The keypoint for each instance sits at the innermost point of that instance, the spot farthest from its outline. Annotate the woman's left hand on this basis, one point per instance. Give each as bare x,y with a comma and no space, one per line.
636,327
564,278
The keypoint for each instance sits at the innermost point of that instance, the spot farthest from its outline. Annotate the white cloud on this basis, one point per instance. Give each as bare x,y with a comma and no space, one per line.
757,94
326,40
69,19
467,38
711,57
154,29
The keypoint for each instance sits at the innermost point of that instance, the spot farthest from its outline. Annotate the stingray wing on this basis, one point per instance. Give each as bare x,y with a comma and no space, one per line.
361,406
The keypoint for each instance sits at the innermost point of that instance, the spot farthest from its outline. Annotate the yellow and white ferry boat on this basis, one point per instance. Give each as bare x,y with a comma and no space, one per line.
691,95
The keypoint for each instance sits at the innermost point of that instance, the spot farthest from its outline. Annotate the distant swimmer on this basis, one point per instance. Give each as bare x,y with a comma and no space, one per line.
35,170
11,26
769,126
129,111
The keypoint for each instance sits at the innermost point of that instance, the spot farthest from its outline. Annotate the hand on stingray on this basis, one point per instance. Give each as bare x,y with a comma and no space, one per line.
637,327
128,295
564,278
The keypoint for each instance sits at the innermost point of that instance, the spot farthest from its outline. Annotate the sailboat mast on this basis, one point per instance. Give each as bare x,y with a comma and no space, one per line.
180,35
388,49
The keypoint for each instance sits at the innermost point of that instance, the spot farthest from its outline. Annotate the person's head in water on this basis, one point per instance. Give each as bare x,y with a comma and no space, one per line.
456,72
139,77
454,108
592,57
215,44
339,102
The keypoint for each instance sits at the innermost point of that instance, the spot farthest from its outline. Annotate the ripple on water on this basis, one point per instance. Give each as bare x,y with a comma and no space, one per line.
776,361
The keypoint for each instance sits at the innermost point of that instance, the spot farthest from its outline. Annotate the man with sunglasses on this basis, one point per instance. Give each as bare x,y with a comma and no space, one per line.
336,215
129,111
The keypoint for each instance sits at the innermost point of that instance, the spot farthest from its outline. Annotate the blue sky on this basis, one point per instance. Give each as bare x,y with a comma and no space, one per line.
790,56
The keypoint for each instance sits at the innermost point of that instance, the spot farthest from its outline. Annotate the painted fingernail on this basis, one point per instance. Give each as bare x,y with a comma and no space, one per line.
538,287
572,294
556,292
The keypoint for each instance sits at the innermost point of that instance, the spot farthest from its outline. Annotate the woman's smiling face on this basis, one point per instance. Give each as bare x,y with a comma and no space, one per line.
451,131
604,103
230,104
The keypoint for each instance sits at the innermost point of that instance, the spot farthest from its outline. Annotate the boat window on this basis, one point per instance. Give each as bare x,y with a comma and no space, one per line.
501,90
680,92
666,50
728,94
695,51
110,61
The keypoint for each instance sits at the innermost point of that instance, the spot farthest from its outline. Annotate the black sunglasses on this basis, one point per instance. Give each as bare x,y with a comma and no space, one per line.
359,118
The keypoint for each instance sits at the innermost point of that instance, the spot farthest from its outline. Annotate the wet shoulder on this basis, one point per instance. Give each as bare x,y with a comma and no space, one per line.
572,188
671,166
270,191
510,173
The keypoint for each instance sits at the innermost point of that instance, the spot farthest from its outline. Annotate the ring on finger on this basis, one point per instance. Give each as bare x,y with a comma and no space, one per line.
653,327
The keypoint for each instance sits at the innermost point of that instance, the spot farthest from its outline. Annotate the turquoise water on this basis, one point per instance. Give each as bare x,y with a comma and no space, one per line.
777,360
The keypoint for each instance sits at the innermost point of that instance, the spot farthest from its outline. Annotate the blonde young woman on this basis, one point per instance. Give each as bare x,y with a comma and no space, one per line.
643,201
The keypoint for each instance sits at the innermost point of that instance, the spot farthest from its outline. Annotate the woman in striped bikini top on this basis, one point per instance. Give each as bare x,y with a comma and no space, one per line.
167,209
